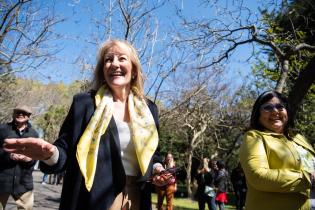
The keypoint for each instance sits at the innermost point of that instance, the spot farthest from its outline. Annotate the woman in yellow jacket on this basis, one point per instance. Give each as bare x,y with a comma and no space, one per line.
278,165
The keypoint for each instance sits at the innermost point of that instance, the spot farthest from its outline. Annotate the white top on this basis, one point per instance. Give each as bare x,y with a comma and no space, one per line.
128,152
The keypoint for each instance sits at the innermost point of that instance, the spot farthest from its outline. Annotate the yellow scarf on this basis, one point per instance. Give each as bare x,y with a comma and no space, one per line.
143,133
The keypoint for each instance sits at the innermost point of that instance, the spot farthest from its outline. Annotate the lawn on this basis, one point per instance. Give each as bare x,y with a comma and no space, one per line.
186,204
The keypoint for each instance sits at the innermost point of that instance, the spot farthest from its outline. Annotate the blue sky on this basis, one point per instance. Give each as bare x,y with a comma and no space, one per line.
76,31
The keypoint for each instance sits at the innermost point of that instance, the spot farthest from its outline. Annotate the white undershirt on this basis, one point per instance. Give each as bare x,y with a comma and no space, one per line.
128,152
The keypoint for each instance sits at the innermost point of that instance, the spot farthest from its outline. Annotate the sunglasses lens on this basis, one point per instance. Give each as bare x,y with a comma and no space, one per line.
268,108
271,107
279,106
22,113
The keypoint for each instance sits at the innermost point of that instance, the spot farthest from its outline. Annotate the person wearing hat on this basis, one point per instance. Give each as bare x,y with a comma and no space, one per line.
15,169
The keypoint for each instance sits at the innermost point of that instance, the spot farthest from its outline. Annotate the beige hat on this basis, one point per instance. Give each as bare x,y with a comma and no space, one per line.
23,108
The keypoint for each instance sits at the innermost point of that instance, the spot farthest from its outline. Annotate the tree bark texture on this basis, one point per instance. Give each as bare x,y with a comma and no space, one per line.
303,83
188,178
283,76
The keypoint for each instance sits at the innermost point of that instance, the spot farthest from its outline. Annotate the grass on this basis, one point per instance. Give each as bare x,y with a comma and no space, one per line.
185,203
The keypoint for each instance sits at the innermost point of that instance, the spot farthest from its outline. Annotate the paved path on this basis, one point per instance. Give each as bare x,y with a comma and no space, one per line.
47,197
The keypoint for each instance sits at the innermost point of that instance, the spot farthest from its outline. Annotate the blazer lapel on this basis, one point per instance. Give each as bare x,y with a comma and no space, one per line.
114,132
299,139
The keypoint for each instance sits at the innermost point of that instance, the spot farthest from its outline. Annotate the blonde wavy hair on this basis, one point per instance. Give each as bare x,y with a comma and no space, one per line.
136,83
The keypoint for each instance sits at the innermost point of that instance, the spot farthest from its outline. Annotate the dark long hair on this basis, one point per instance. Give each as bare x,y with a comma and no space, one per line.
263,98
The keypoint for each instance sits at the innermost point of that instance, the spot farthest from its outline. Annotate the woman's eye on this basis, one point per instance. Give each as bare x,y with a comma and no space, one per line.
108,59
123,58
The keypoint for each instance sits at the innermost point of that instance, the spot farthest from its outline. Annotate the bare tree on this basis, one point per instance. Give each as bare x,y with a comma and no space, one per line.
193,104
25,34
220,36
137,22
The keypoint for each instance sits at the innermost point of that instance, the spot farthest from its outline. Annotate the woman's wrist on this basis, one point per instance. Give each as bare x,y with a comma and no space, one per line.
53,159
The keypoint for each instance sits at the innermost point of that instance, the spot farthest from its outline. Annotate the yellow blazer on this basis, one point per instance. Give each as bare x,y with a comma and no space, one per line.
273,172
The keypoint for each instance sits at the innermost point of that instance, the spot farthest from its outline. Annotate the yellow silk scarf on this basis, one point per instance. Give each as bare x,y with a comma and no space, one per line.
143,133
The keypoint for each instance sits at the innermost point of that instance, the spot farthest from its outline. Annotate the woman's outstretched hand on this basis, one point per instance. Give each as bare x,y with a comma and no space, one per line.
35,148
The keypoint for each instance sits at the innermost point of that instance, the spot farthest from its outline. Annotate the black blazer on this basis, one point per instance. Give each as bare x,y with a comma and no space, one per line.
110,176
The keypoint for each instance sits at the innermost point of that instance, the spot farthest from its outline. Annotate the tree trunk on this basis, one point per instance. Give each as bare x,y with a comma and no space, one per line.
283,76
301,86
188,178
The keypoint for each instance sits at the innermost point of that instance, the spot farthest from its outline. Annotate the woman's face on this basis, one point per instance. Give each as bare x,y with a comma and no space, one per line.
169,158
273,115
118,67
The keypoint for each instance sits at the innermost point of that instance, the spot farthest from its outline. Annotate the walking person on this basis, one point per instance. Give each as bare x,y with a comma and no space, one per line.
205,193
170,188
45,179
239,186
220,182
108,142
16,170
278,162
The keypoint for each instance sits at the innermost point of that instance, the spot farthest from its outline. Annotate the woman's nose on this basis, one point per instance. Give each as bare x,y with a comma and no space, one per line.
115,61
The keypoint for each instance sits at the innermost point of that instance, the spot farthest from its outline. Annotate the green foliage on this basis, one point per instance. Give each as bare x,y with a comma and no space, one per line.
52,118
7,87
305,119
172,141
51,121
188,204
288,26
264,75
49,102
222,138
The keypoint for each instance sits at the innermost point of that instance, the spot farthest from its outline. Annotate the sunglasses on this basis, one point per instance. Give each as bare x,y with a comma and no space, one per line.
22,113
271,107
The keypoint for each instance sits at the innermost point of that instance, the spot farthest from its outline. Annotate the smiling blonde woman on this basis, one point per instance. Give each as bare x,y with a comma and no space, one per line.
108,142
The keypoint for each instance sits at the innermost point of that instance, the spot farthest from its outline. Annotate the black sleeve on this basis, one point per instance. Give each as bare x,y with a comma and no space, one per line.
154,111
5,160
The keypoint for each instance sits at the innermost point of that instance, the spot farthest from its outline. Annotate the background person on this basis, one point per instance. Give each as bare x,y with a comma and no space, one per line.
45,179
220,182
108,141
239,186
278,164
205,193
15,169
169,189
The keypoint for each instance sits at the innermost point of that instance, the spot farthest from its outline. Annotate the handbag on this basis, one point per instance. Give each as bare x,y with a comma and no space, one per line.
209,191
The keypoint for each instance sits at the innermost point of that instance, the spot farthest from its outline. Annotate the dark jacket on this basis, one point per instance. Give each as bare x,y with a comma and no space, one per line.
110,176
15,176
203,180
238,180
221,180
